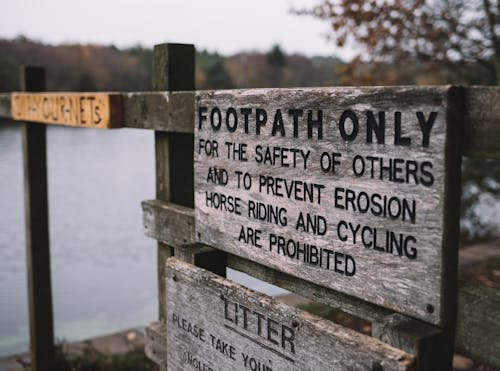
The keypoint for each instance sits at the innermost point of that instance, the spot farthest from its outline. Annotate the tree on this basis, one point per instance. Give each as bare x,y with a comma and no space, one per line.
480,190
450,33
217,76
276,59
8,74
426,41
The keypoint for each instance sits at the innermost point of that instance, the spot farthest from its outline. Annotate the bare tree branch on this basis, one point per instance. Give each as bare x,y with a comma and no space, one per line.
438,32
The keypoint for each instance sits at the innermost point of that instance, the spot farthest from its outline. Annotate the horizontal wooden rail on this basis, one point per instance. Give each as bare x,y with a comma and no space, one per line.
174,224
179,219
91,110
156,342
309,290
163,111
478,328
478,322
174,112
198,293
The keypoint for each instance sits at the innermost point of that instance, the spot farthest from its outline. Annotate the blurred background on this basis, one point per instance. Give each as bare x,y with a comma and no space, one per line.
103,268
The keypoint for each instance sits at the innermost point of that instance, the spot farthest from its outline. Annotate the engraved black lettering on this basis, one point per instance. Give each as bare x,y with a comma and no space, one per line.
260,119
315,123
296,114
215,119
246,112
348,137
372,126
426,126
278,124
399,140
427,178
231,127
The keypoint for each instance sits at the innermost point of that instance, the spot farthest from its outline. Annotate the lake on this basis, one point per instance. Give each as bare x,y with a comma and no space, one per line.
103,267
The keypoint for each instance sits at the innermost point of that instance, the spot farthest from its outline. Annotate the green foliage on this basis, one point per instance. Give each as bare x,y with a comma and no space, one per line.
448,34
92,359
143,55
73,67
105,68
96,68
275,57
8,73
426,43
480,190
205,59
327,61
216,73
217,76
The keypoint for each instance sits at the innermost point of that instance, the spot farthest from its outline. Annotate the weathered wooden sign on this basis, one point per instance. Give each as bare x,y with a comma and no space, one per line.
354,189
93,110
215,324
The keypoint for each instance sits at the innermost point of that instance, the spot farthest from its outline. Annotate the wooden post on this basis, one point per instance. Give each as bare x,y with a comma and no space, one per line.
37,231
430,344
173,70
205,257
434,346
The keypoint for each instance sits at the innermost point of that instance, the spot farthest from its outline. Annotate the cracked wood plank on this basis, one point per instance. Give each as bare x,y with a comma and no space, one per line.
216,324
354,189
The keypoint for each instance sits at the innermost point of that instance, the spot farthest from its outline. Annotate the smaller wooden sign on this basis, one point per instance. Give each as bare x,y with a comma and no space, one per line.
93,110
216,324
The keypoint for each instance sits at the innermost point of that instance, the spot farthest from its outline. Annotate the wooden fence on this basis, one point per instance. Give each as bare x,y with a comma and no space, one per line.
465,318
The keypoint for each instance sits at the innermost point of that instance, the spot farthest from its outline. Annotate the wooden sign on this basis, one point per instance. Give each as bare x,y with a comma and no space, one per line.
355,189
215,324
92,110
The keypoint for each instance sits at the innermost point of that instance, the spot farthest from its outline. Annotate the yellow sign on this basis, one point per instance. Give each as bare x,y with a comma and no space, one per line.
93,110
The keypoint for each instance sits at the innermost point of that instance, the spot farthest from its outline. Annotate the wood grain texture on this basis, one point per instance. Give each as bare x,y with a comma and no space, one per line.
156,342
36,214
482,121
415,286
169,223
309,290
159,82
478,325
162,111
172,112
428,343
173,224
90,110
173,67
173,70
306,342
5,111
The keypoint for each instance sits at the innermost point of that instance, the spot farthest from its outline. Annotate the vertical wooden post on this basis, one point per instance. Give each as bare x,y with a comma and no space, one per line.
433,346
173,70
37,231
430,344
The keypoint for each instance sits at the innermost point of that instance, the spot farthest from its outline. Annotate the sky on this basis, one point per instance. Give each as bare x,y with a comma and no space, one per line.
226,26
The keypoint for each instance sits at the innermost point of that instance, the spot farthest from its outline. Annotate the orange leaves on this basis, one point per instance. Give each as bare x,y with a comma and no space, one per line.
421,31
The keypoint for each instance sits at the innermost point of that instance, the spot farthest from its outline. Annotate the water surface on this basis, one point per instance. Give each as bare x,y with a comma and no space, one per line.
103,267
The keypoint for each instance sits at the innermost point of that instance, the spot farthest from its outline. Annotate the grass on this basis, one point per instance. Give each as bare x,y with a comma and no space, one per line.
92,359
